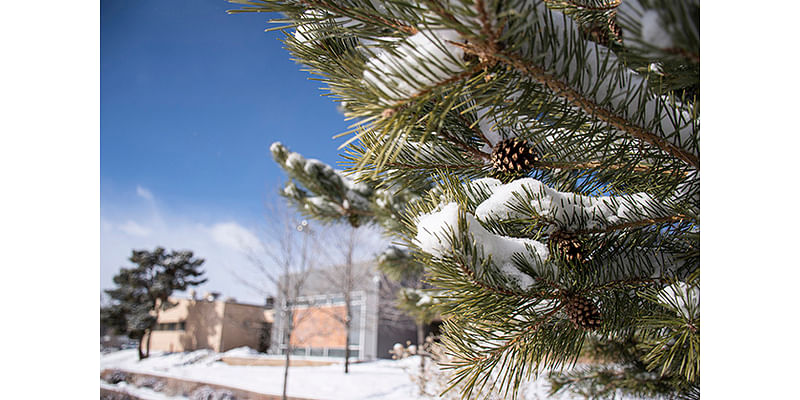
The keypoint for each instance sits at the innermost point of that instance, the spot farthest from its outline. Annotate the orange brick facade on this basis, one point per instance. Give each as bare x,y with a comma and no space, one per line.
319,327
318,310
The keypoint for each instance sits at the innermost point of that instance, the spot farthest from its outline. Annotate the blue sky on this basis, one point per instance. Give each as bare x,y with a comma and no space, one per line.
191,98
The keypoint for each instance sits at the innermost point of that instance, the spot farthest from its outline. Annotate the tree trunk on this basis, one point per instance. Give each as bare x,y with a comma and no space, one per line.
286,369
289,324
139,348
149,336
150,332
347,343
348,300
347,322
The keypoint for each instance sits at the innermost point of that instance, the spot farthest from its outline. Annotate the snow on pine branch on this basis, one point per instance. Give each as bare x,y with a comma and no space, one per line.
682,298
567,210
393,253
655,28
316,24
414,64
598,74
654,32
479,190
435,229
425,297
429,57
332,189
305,32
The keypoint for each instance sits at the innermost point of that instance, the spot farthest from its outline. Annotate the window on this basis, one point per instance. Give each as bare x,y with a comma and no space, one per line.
299,351
354,353
319,301
170,326
301,302
317,351
336,353
337,299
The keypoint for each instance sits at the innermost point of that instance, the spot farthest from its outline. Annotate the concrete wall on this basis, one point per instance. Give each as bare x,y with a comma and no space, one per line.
371,321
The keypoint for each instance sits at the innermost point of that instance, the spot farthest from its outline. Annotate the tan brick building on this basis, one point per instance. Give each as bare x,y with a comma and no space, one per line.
211,324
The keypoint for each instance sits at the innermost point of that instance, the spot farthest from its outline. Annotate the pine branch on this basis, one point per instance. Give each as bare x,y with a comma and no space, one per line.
503,291
460,143
490,52
440,84
365,18
628,284
432,166
475,129
638,224
581,6
618,163
589,106
513,342
599,164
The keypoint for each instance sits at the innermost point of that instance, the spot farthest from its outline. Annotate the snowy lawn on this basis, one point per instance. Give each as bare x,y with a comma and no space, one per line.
377,380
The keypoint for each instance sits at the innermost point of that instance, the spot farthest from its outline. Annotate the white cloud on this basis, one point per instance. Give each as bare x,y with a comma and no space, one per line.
220,243
134,229
236,237
144,193
224,244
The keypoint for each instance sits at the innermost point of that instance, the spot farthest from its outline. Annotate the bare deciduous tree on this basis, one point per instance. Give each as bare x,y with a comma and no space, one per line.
284,258
346,274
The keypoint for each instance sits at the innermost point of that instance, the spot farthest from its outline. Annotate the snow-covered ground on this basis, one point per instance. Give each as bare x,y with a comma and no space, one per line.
377,380
140,392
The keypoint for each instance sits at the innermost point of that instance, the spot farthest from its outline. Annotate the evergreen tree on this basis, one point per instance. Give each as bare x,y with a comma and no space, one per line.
144,290
552,150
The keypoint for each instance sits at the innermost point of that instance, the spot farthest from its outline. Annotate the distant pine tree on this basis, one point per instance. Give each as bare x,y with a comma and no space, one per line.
144,290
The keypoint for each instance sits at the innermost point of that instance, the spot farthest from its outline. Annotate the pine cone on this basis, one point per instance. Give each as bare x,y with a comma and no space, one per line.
514,156
567,245
583,313
353,220
597,34
602,33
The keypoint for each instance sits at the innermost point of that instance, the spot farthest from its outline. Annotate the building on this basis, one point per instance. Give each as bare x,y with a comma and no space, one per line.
213,324
318,313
